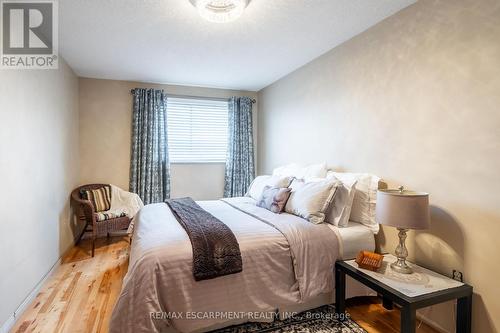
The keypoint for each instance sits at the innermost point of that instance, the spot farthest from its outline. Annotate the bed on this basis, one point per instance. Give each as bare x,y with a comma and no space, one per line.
287,267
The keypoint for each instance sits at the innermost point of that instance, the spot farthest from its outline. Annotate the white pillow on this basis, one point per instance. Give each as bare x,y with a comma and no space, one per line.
315,171
258,184
340,209
301,172
289,170
365,197
310,200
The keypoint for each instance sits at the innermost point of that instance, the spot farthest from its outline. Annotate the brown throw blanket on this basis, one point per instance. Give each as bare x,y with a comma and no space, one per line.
216,251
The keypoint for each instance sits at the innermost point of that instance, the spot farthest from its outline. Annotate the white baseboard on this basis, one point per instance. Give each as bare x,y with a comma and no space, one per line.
11,321
432,323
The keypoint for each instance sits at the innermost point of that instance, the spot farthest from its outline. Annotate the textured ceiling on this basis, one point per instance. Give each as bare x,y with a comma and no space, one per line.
165,41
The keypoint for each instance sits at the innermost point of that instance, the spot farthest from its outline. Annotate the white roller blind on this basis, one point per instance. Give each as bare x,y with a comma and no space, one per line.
197,130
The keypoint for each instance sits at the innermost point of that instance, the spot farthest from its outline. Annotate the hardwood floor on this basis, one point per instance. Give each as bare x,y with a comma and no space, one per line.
81,293
371,315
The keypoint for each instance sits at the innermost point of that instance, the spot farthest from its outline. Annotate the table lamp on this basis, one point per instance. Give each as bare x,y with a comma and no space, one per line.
404,210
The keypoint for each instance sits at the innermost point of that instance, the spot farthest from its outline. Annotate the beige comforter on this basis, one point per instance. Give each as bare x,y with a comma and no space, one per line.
286,261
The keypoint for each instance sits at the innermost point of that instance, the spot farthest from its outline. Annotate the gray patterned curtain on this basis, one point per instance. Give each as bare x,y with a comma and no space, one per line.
149,165
240,169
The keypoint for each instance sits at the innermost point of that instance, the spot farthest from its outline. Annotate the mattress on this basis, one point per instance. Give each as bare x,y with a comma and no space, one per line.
354,238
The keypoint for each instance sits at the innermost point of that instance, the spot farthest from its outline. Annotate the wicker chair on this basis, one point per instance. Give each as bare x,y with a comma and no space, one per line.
84,211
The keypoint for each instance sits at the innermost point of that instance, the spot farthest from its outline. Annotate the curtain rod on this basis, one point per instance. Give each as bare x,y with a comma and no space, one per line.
198,97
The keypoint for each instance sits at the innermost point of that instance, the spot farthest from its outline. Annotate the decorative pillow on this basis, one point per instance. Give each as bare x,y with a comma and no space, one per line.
365,197
100,198
260,182
109,216
340,209
274,198
311,200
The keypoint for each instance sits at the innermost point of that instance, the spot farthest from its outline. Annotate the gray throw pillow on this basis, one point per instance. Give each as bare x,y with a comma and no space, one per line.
274,198
310,200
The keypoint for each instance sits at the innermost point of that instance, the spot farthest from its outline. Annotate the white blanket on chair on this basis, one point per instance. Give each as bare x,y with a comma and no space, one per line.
124,202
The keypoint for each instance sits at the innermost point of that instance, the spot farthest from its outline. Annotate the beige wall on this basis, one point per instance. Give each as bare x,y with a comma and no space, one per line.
39,168
105,125
415,100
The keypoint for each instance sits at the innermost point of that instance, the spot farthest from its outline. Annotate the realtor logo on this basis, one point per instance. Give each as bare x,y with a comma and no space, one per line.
29,34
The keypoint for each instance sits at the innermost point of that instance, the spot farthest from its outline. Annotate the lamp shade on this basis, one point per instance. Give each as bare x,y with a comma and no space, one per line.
403,209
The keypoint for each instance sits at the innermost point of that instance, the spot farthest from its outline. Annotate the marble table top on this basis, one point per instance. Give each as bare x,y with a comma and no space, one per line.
422,281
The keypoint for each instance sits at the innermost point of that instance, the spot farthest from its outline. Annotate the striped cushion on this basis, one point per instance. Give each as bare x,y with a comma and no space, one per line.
108,216
100,198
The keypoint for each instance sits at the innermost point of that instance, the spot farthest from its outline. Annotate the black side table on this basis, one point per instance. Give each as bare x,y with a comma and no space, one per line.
409,305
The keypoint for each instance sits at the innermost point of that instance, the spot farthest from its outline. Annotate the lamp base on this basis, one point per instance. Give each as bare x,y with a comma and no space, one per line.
400,265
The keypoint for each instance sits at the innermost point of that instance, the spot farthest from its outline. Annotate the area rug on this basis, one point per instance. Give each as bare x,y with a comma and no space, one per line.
319,320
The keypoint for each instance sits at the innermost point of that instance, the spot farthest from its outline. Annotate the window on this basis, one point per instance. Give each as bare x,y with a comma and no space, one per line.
197,130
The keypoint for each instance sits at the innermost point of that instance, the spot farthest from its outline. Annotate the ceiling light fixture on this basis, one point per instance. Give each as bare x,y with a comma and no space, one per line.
220,11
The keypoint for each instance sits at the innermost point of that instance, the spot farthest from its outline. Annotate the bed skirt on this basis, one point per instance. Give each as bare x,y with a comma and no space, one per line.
353,289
